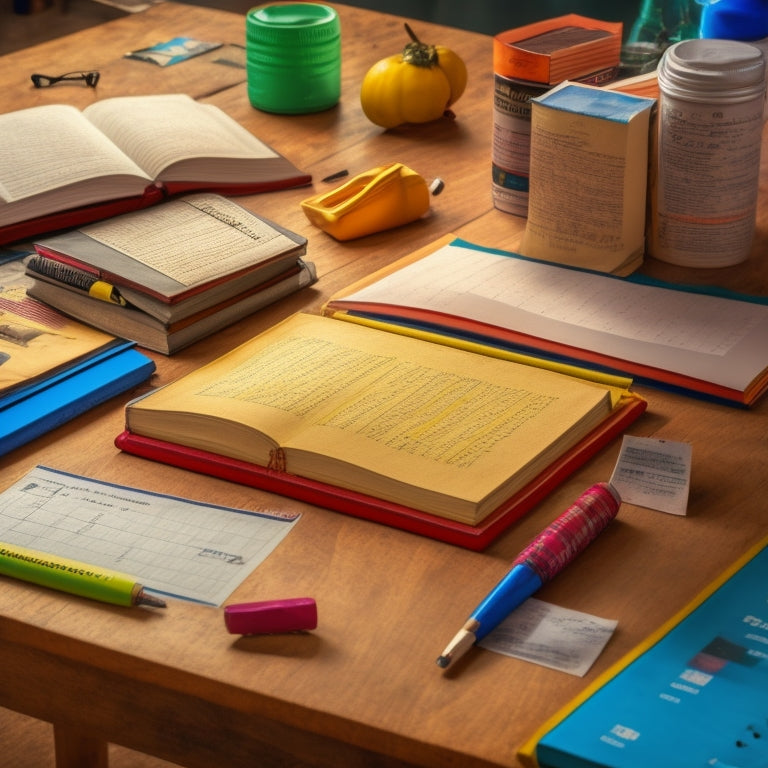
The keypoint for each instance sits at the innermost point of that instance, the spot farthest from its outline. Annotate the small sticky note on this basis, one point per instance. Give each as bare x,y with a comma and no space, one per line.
654,473
552,636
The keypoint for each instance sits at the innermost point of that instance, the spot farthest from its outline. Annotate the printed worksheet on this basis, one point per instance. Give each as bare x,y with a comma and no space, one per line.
175,547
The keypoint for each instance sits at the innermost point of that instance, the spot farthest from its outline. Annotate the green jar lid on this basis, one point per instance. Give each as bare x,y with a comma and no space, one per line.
292,24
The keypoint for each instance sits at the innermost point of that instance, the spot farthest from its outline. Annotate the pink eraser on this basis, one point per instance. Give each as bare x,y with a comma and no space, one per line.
271,616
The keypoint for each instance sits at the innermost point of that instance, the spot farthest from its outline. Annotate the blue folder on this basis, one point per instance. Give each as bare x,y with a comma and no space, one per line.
31,411
693,695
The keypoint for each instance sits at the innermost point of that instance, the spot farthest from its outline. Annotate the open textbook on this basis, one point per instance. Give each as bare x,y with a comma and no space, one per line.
714,346
61,167
383,426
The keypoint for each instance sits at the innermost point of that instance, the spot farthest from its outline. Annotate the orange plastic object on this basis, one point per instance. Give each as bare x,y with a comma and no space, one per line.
373,201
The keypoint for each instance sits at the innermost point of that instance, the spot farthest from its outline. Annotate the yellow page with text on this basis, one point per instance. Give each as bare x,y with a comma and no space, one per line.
444,430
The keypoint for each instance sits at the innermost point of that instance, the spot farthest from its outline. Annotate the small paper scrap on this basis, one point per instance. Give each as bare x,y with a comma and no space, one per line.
554,637
173,51
653,473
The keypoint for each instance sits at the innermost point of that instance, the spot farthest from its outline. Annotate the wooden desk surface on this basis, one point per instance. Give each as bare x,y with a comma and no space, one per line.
363,689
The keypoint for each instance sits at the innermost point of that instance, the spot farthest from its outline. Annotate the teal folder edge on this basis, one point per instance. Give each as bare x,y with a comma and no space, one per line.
694,695
635,277
38,409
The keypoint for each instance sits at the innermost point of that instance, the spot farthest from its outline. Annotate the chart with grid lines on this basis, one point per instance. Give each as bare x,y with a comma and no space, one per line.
176,547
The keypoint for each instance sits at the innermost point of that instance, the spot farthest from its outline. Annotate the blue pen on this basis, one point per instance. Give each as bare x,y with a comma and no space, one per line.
555,547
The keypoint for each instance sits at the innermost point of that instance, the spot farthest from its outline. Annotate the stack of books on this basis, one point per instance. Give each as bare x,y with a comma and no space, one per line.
53,369
172,274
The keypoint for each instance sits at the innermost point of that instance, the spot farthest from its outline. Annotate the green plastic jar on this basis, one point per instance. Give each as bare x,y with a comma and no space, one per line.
293,57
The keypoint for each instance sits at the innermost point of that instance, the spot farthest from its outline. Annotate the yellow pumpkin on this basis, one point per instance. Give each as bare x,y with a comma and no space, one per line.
415,86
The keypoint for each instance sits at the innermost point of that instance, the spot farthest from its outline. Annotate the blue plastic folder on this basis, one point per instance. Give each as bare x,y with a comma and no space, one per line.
694,695
32,411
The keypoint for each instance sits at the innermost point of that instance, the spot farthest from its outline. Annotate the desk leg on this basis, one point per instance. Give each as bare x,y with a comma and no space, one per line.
73,750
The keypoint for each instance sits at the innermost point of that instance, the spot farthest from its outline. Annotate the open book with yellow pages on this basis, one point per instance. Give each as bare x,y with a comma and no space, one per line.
451,443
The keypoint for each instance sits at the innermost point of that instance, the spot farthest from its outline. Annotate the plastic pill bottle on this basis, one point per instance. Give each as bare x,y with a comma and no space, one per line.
706,159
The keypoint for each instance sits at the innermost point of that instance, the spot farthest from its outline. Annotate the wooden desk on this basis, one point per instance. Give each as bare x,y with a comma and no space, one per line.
363,689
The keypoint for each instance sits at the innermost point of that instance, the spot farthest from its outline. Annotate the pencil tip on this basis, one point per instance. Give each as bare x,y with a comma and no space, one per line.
461,643
145,599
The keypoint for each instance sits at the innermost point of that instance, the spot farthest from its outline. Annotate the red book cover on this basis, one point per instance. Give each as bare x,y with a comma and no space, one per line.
369,508
77,217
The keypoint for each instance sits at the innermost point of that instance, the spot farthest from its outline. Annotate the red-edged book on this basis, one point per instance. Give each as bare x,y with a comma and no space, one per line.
699,341
474,537
62,167
364,410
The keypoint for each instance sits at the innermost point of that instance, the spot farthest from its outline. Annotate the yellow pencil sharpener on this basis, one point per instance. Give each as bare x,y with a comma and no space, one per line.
378,199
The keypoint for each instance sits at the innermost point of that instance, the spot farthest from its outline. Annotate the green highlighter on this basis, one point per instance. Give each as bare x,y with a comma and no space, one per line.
74,577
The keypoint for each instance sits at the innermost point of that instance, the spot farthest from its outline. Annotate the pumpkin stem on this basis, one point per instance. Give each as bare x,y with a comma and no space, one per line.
417,53
411,33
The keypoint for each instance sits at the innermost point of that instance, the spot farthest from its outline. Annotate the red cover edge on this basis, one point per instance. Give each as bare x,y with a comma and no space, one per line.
369,508
76,217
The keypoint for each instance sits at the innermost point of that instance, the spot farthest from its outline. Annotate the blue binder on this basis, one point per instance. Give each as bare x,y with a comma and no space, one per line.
31,411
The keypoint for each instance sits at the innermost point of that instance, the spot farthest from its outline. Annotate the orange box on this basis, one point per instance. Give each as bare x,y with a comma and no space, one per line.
564,48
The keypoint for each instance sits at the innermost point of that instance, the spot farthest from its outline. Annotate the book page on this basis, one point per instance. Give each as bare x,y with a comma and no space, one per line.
159,130
36,340
52,146
206,224
370,411
708,337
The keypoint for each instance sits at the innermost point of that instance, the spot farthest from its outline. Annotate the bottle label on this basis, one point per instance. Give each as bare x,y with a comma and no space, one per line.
511,145
705,181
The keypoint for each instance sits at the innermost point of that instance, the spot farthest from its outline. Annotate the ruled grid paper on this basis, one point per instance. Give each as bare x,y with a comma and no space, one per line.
175,547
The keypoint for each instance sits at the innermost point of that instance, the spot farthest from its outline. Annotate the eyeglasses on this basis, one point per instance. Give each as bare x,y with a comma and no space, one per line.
43,81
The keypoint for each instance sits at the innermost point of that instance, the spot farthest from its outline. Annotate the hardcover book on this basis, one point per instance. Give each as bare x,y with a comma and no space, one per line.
53,369
62,167
453,443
